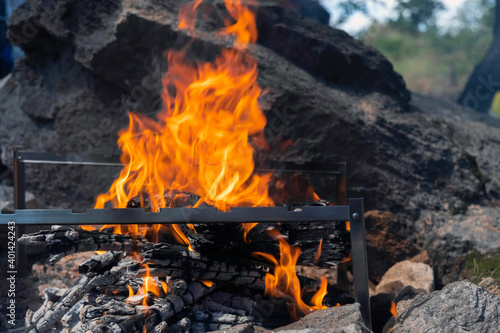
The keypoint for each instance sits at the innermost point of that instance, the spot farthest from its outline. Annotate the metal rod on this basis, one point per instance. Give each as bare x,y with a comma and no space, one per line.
359,257
176,215
114,160
19,181
20,203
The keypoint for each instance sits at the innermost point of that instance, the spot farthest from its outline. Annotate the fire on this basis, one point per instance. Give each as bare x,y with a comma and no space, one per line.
349,258
285,283
207,283
199,141
394,310
318,252
150,284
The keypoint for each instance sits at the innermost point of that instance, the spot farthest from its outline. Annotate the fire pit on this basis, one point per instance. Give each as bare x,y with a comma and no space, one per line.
197,238
68,241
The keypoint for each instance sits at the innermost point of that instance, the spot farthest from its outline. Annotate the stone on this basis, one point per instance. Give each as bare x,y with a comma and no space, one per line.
406,273
490,285
458,307
243,328
7,199
387,242
345,318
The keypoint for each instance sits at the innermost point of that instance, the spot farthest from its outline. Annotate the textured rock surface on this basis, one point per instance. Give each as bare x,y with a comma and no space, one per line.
458,307
345,318
406,273
490,285
243,328
387,242
426,161
7,199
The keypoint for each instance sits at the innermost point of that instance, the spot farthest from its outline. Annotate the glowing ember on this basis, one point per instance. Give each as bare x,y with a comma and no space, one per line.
346,259
394,309
207,283
285,283
318,252
150,284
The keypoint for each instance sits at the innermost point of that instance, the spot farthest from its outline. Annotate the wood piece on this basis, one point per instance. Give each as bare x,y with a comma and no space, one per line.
217,238
99,261
178,261
212,321
128,318
66,241
182,326
71,297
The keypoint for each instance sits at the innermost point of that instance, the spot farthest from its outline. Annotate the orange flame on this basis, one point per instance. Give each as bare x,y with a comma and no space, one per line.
207,283
199,141
394,310
349,258
150,284
285,282
318,252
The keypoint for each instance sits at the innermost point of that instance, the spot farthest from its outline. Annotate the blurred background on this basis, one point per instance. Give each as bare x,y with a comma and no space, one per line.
435,44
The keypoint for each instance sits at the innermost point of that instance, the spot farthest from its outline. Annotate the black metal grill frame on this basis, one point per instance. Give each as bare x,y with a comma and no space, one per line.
353,212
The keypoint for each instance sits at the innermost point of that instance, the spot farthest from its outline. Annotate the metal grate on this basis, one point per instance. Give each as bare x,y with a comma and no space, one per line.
353,212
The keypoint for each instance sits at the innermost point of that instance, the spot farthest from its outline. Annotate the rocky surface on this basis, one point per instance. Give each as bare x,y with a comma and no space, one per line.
431,164
458,307
345,318
489,284
7,199
406,273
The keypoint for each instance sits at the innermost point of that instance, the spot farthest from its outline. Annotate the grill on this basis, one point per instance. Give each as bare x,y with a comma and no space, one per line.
353,211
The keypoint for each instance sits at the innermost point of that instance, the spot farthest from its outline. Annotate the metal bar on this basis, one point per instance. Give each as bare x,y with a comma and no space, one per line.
359,257
177,215
19,181
114,160
67,159
20,203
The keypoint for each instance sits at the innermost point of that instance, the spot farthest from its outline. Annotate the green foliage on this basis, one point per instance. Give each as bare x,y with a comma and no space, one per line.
416,15
435,62
480,266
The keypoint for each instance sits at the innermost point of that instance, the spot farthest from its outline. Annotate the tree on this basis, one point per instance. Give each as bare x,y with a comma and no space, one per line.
484,82
417,15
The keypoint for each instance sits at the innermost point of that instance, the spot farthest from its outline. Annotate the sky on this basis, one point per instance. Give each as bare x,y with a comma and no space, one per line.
359,22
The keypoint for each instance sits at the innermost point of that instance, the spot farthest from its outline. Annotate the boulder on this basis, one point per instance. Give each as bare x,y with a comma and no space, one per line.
458,307
345,318
406,273
387,242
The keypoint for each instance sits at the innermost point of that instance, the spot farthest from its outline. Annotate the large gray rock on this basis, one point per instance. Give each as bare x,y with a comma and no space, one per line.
86,64
458,307
343,319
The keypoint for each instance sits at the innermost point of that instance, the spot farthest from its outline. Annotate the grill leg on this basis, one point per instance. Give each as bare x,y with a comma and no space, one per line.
359,257
20,203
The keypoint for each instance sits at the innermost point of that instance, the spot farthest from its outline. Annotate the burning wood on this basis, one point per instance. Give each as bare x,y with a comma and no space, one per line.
197,152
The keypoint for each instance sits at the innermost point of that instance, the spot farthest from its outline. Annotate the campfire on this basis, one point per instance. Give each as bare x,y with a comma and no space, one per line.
197,153
225,210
